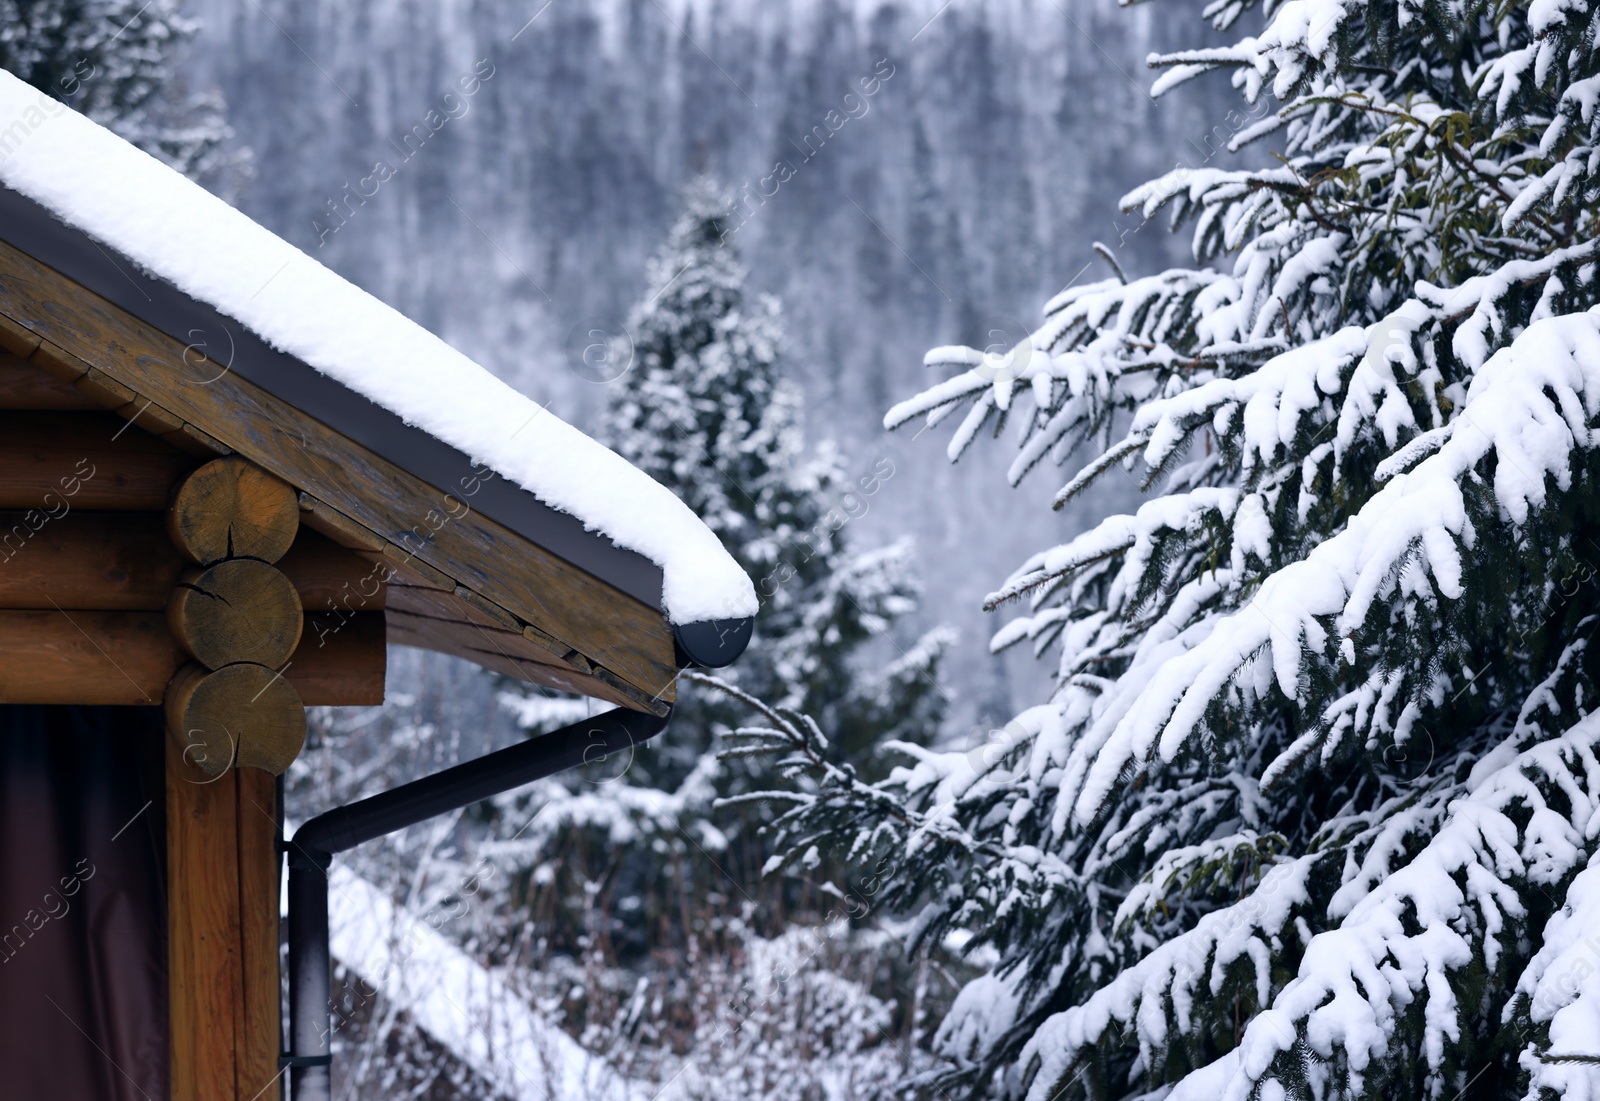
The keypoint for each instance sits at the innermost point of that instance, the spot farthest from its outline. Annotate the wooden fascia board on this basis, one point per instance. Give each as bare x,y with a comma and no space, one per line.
33,230
629,643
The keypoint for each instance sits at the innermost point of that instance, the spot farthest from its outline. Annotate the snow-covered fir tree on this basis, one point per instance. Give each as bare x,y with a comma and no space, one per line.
705,410
116,61
1314,808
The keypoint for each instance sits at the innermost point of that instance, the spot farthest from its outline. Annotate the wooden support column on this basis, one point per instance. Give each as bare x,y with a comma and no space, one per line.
261,1041
206,968
222,928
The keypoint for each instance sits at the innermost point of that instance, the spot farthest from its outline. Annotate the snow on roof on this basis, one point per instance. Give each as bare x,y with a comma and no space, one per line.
177,231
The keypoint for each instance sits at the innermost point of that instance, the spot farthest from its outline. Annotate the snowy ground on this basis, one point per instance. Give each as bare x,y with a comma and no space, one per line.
469,1009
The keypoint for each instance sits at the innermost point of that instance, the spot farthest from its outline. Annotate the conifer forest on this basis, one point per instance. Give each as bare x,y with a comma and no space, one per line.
1164,441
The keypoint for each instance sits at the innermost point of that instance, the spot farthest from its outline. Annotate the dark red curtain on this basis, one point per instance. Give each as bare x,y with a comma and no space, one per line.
83,914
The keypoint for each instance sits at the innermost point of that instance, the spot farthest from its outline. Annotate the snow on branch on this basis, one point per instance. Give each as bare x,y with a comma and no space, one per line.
1522,817
1402,943
1530,406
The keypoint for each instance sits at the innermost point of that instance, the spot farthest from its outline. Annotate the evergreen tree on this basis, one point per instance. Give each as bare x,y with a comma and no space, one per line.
705,410
116,62
1314,809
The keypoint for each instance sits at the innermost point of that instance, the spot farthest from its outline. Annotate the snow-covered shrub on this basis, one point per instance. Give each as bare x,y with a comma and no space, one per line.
801,1016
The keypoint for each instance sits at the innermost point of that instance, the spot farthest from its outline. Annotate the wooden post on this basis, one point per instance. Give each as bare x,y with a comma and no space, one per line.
258,1075
222,931
205,991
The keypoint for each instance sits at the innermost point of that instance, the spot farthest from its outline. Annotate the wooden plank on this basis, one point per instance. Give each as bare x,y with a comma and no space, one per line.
154,420
205,997
123,561
454,635
425,600
51,357
488,608
16,339
427,575
342,659
54,461
545,642
443,621
108,561
197,442
505,653
25,386
128,658
258,1075
607,626
103,390
329,577
323,517
117,658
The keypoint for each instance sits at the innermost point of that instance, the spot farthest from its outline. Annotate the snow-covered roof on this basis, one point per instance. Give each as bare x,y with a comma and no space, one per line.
176,231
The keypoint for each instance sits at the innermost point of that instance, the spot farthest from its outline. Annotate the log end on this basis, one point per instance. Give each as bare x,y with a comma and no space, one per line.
231,508
242,714
236,610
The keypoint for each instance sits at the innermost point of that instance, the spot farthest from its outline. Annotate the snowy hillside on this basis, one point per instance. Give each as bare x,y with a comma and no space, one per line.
969,187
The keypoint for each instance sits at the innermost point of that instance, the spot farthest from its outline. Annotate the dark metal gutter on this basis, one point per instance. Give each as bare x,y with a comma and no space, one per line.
310,1054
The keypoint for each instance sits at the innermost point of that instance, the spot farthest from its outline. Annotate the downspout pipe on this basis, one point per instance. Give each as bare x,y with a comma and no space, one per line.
310,1055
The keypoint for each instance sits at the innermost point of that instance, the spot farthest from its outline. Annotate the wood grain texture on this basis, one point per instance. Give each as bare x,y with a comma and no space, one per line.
84,461
499,650
124,561
258,1076
236,610
608,627
323,517
16,339
205,994
128,659
52,358
242,714
231,508
107,561
342,659
435,613
24,386
331,578
116,658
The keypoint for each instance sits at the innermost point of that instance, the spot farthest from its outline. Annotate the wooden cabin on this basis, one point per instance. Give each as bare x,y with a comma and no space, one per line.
219,507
